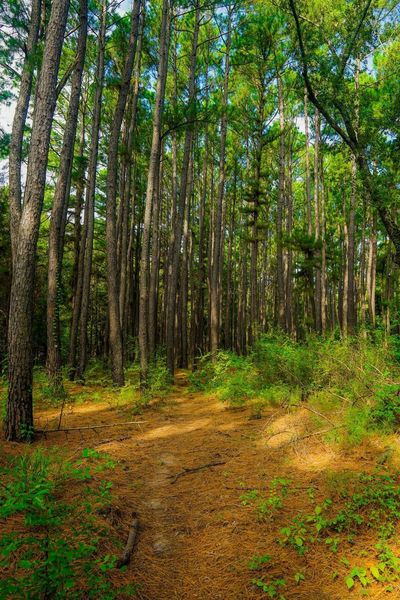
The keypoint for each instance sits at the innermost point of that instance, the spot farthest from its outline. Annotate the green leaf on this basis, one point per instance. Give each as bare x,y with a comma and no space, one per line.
349,582
375,572
298,541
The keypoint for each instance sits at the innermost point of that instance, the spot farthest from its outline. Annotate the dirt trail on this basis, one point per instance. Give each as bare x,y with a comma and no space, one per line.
189,543
196,536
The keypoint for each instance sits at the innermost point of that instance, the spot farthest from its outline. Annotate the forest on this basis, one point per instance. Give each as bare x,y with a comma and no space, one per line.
199,299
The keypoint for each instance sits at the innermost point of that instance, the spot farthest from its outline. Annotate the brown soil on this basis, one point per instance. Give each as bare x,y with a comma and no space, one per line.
196,536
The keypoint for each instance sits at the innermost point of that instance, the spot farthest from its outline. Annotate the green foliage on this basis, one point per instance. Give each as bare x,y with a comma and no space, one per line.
368,502
271,588
159,379
352,380
267,504
256,562
58,554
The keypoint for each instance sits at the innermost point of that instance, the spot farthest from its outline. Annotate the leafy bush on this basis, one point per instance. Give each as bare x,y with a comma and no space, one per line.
354,378
234,378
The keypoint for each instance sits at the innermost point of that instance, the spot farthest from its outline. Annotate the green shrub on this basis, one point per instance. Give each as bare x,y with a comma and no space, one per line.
233,378
57,555
354,379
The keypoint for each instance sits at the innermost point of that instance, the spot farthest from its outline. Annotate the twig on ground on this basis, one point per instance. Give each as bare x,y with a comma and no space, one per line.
94,427
315,412
110,440
309,435
130,544
188,470
278,433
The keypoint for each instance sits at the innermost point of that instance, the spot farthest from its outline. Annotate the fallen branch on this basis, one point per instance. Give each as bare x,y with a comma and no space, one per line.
130,544
189,470
309,435
110,440
315,412
67,429
282,431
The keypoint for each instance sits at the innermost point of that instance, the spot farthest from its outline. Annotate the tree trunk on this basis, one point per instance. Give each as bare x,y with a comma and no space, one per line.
308,176
155,260
60,203
81,301
126,241
19,418
177,227
115,333
215,292
18,125
371,270
351,301
317,224
151,183
281,320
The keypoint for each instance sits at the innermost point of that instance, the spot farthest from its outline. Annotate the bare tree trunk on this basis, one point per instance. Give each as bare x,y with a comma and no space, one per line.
184,272
60,204
371,270
18,125
126,242
177,227
81,301
323,253
308,176
229,287
19,418
351,301
317,223
201,279
155,260
79,195
289,256
215,293
345,292
115,333
151,183
281,320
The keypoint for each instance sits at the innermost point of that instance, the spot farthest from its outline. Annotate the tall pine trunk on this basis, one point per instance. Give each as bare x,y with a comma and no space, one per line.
215,292
19,417
151,183
115,333
19,121
177,225
82,293
60,203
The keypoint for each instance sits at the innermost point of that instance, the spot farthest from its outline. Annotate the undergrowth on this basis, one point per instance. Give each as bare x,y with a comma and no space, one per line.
97,387
355,382
360,504
51,547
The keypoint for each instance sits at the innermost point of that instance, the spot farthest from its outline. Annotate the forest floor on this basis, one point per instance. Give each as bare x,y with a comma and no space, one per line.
199,529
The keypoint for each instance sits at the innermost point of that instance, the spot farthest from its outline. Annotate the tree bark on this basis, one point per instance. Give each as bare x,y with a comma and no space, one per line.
151,182
18,125
19,418
177,228
215,293
60,203
115,333
81,301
